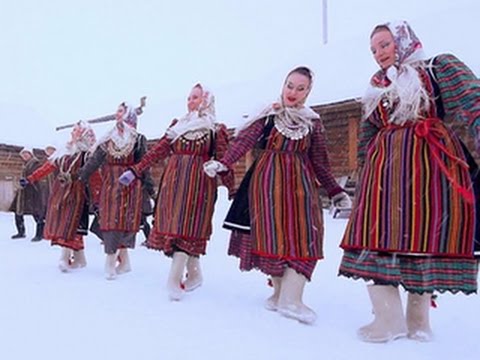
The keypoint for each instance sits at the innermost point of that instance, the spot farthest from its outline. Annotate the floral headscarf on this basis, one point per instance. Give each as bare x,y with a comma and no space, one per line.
400,84
201,119
87,139
83,143
292,118
123,138
407,45
130,116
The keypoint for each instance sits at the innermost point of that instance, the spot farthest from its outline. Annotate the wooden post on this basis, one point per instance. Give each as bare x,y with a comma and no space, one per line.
138,110
324,21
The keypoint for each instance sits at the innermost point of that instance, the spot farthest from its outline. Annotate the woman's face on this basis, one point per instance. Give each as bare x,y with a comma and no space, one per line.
120,112
77,133
383,48
49,150
195,98
295,90
26,155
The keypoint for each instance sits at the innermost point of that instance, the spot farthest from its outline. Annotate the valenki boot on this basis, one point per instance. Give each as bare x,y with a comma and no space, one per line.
174,283
272,302
290,302
65,258
79,260
418,319
123,262
194,274
389,322
110,262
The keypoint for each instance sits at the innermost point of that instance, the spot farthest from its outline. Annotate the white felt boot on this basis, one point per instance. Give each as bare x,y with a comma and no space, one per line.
175,277
79,260
418,319
194,274
272,302
123,262
290,298
65,258
389,322
110,263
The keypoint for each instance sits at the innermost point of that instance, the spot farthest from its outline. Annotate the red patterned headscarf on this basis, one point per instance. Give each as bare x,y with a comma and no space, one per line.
400,84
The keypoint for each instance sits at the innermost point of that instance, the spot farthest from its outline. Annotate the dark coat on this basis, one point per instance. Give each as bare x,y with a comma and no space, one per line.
33,199
148,190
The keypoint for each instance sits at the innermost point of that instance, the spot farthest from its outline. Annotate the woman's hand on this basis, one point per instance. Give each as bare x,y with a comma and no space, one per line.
342,201
212,167
23,182
126,178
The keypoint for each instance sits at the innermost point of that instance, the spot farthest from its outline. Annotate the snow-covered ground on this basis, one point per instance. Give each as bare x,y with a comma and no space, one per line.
45,314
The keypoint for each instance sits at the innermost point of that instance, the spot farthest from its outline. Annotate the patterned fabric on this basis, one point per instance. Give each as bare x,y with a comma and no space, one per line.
75,244
285,214
186,197
459,88
120,206
430,211
407,45
130,116
241,247
415,274
66,204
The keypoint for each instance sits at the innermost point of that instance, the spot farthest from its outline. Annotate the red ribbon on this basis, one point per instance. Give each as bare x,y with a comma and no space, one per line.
427,129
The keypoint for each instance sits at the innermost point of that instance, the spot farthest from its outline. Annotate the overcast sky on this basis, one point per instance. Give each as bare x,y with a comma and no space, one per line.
68,60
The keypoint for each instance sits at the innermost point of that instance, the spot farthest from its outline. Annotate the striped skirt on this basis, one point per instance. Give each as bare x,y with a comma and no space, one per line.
66,207
414,199
241,247
285,214
414,196
184,207
75,244
120,207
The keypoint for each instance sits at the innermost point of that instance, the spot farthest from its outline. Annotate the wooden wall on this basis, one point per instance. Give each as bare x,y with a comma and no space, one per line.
341,121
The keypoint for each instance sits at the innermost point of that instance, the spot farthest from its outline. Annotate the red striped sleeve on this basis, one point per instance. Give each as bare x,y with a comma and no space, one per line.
158,152
43,171
319,158
245,141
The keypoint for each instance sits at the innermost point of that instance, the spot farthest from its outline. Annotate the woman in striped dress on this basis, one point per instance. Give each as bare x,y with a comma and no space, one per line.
186,197
413,222
67,211
120,207
282,234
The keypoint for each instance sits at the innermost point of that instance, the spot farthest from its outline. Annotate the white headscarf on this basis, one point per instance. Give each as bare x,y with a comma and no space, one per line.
400,84
201,119
123,134
293,118
26,149
84,143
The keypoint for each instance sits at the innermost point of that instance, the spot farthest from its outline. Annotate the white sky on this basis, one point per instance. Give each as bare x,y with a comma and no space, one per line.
68,60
